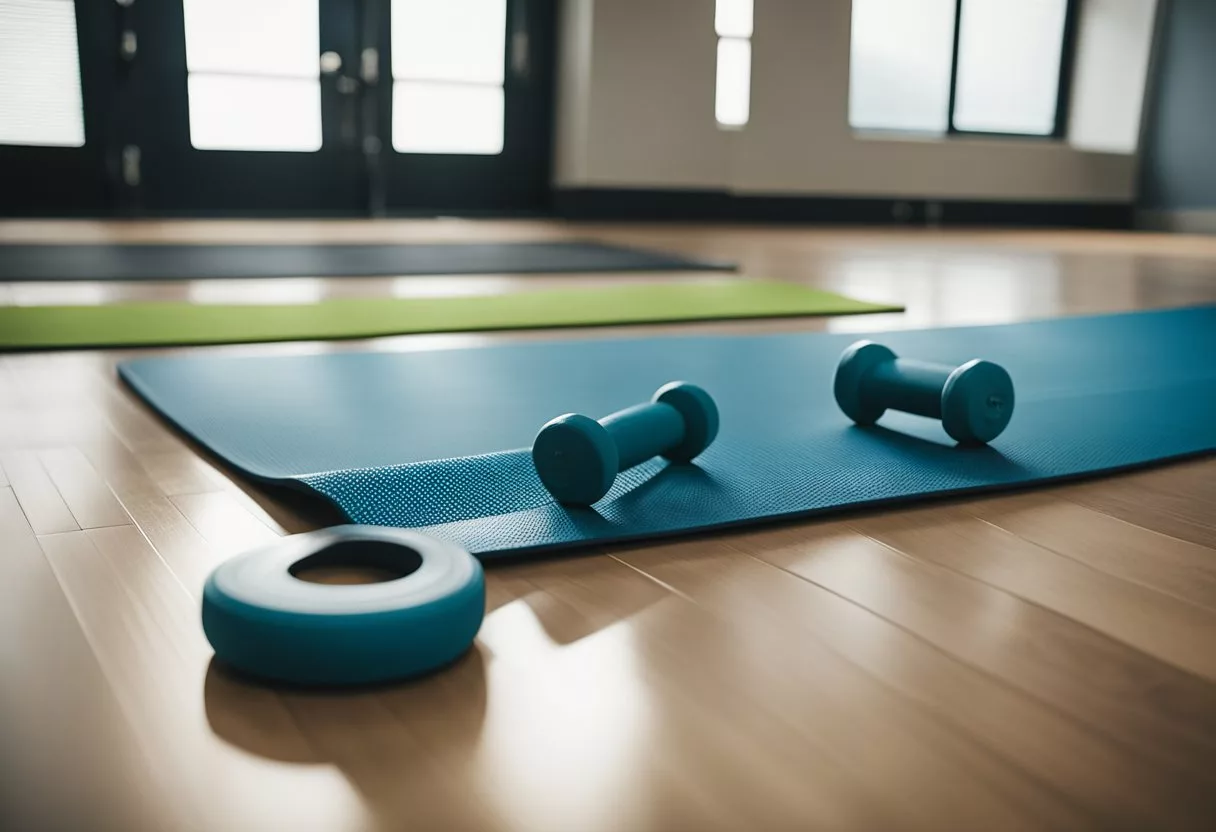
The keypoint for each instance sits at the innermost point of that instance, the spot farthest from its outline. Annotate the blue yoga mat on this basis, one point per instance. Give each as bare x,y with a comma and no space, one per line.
440,441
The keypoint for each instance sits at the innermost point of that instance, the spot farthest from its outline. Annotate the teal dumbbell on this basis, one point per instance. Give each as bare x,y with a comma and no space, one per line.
974,401
578,458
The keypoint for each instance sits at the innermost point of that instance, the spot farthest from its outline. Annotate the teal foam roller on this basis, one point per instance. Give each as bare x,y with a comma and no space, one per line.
974,401
578,458
267,623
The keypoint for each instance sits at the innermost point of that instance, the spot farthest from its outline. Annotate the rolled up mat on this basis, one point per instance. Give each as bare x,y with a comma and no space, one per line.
440,441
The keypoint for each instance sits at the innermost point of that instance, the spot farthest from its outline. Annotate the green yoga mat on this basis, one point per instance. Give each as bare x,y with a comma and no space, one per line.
180,323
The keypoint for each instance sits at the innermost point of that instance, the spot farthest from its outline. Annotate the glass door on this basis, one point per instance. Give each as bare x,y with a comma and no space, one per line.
251,107
275,107
466,111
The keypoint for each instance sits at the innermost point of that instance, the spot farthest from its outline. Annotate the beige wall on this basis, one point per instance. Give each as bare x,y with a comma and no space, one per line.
645,116
573,91
648,92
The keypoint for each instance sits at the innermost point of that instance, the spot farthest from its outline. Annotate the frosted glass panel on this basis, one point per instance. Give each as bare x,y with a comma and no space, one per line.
259,37
39,74
1114,47
268,96
1009,65
447,118
734,81
900,64
452,40
733,18
250,113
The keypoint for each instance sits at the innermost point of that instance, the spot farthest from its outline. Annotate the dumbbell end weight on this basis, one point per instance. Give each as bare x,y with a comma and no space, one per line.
855,364
700,416
977,402
576,459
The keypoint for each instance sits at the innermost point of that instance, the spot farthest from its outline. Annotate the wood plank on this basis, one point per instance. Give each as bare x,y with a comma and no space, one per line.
121,470
14,383
28,427
590,663
868,729
176,610
180,471
550,725
41,501
183,472
1041,653
1085,763
1179,634
89,499
1087,759
295,514
139,623
1167,564
138,429
1157,503
396,775
178,543
11,393
226,524
61,723
59,378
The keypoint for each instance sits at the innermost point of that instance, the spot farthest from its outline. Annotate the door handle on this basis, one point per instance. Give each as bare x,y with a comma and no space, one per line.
331,62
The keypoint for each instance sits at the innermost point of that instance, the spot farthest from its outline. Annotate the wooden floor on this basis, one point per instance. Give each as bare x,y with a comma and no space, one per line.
1039,660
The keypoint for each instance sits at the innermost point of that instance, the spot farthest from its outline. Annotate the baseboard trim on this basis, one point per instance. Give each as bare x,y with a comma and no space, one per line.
620,204
1186,221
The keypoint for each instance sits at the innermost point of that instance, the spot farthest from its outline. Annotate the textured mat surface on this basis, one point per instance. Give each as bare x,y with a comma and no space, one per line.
147,324
198,262
424,439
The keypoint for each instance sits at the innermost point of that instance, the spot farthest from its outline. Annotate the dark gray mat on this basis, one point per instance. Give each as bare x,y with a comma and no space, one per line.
201,262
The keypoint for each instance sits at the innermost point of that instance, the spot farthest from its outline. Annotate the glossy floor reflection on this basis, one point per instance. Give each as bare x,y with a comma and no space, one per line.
1033,660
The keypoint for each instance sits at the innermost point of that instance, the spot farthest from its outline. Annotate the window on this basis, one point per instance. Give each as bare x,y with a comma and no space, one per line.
40,68
733,23
448,68
900,64
256,85
1110,72
1009,65
937,66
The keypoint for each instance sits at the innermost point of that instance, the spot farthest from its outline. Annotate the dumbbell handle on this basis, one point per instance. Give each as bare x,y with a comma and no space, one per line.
910,385
643,431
